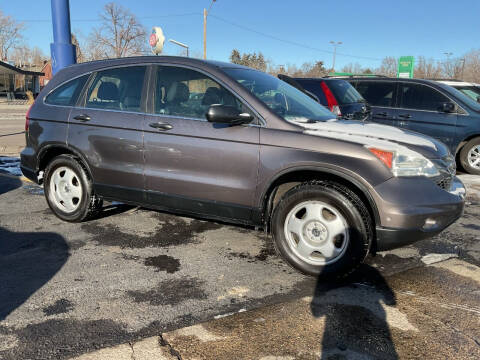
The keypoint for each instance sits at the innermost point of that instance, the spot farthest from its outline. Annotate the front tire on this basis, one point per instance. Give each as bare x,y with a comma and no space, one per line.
68,190
470,156
322,228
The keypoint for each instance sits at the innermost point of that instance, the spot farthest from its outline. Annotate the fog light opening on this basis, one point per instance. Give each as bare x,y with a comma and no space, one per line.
430,224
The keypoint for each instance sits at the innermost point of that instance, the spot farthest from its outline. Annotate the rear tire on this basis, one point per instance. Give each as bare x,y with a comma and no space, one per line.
322,229
69,191
470,156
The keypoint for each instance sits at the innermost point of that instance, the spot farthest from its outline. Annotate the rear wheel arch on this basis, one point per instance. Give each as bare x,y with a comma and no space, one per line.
462,143
50,152
287,180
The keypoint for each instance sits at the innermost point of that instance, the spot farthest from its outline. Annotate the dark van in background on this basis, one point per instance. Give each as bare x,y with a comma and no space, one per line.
429,107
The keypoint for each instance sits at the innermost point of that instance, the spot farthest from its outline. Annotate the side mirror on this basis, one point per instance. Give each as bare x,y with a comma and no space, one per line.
226,114
448,107
478,99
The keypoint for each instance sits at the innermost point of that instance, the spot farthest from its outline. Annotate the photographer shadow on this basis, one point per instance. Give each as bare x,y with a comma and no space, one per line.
27,262
355,315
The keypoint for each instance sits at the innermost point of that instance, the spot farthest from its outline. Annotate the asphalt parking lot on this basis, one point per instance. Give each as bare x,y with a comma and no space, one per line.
69,289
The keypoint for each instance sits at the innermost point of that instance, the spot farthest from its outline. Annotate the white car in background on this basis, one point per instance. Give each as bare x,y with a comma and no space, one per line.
472,90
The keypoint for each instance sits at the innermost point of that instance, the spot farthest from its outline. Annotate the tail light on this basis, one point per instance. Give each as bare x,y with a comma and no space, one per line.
332,103
27,118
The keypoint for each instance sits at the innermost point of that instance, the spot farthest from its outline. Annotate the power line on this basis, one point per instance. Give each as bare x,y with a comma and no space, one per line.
98,19
292,42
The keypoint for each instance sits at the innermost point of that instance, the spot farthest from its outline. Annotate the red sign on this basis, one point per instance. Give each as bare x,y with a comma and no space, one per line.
153,40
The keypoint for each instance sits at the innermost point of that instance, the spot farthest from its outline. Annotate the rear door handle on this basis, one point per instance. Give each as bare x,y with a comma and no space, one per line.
82,117
161,126
405,116
382,114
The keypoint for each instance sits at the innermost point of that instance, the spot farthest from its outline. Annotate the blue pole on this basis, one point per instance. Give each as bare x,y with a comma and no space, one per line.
62,51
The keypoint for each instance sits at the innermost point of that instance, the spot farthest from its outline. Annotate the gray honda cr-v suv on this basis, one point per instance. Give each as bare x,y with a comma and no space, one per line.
226,142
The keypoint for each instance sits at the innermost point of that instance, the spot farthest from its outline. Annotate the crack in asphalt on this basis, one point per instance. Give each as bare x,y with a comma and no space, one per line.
172,351
133,350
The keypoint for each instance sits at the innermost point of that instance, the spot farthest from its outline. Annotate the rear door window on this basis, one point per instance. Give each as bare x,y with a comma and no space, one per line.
66,94
117,89
377,93
421,97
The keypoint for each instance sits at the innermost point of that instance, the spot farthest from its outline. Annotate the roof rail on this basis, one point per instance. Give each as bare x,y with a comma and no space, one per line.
442,79
340,75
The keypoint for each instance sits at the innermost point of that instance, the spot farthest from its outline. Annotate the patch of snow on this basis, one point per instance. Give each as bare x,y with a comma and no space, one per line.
435,258
10,165
366,133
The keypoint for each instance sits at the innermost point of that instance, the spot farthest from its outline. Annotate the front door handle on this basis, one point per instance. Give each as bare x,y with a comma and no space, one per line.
161,126
82,117
405,116
382,114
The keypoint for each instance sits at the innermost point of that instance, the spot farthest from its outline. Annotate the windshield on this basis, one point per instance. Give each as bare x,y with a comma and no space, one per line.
285,100
472,91
344,92
466,99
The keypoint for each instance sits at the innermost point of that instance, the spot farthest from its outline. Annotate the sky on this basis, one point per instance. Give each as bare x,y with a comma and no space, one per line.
286,32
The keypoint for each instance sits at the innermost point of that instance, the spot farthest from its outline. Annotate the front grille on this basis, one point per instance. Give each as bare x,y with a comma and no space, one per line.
445,182
447,168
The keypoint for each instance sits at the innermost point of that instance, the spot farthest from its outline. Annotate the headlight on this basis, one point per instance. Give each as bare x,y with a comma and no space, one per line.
405,162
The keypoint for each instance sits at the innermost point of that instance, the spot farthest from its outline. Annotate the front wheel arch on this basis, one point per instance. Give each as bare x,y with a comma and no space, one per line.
300,175
463,154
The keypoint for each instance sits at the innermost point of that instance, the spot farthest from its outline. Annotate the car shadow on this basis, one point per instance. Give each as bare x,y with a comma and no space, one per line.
9,183
27,262
113,209
355,317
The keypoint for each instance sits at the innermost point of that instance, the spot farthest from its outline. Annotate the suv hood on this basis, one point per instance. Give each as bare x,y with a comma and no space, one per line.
376,135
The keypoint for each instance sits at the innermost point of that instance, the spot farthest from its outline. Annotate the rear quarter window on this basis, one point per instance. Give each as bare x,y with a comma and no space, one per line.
66,94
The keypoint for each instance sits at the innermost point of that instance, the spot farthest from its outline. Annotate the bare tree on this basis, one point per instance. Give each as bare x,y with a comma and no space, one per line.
427,69
471,67
119,35
37,57
20,55
79,51
388,67
10,34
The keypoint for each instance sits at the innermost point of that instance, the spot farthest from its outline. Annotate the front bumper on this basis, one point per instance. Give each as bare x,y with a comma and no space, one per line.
415,209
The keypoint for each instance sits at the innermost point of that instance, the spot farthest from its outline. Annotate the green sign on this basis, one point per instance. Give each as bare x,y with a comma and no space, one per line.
405,67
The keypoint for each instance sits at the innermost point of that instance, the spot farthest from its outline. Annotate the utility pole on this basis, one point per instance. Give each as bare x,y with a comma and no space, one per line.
335,44
205,14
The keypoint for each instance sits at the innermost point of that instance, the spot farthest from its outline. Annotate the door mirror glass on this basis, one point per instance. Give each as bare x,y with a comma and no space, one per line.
448,107
226,114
